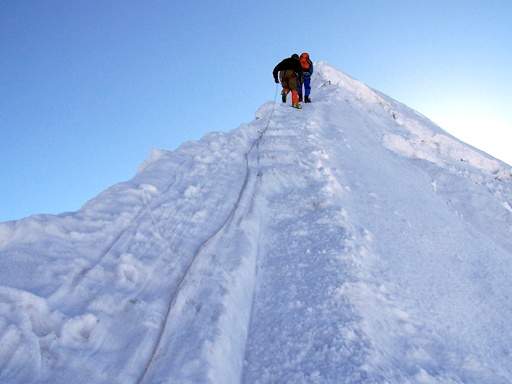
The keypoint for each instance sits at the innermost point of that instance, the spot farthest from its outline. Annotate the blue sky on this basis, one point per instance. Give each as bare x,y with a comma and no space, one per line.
87,88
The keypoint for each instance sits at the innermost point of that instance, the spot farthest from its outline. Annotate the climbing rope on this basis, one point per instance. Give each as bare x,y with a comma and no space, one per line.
262,132
147,203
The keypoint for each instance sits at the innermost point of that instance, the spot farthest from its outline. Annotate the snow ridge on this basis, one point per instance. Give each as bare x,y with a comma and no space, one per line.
351,242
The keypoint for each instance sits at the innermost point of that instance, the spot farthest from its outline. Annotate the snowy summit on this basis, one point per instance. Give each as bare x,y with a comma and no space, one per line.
353,241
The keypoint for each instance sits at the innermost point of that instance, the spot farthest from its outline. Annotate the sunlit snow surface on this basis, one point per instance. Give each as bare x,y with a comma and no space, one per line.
350,242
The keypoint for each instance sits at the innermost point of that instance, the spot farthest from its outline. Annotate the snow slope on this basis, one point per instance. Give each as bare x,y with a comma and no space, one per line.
351,242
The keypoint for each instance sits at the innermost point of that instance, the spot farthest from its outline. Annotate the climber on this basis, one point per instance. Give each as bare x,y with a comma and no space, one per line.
307,70
290,74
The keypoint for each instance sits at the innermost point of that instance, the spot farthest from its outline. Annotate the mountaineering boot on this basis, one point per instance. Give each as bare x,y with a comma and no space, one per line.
307,99
283,97
297,105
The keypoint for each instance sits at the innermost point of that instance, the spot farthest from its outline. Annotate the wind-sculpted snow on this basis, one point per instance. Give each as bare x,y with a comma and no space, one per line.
351,242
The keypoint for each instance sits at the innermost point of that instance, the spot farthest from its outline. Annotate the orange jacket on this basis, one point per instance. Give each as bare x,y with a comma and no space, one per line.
306,64
304,61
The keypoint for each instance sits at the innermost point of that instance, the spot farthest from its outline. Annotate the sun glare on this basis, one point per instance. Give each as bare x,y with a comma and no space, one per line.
478,125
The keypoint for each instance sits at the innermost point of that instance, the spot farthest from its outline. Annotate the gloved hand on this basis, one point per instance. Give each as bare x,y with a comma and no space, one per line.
277,81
